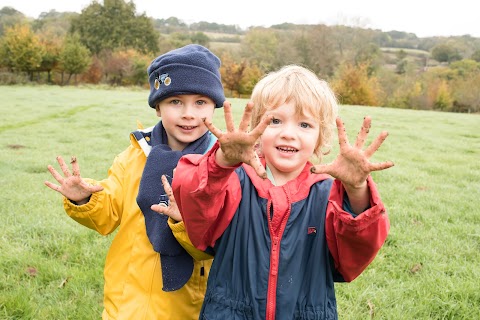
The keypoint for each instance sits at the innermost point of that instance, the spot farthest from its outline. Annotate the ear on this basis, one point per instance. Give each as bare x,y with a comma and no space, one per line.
159,113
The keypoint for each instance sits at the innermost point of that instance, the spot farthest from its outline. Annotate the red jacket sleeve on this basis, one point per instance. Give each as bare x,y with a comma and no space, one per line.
207,196
355,241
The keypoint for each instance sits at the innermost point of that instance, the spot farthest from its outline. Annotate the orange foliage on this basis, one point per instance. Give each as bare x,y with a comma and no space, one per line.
353,86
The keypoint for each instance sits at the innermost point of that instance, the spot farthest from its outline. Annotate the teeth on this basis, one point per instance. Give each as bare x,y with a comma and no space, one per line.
187,128
286,149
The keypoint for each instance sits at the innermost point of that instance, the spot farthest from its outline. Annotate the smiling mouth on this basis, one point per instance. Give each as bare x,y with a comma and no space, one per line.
187,127
287,149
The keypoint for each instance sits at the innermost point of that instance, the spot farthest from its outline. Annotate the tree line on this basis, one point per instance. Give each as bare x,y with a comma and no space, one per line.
111,43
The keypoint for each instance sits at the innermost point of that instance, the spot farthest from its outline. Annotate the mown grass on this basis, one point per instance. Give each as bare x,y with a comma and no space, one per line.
52,268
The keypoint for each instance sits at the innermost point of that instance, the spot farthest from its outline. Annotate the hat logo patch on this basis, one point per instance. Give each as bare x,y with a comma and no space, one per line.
163,78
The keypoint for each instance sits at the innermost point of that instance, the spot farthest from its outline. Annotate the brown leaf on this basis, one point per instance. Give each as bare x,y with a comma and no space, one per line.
416,268
32,271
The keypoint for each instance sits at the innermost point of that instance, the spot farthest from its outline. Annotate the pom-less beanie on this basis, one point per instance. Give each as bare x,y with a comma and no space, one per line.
192,69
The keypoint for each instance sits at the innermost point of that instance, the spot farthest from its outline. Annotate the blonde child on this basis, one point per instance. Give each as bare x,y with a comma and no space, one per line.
282,229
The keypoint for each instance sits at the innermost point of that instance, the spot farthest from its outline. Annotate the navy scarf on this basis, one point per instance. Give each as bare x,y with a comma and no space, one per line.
177,264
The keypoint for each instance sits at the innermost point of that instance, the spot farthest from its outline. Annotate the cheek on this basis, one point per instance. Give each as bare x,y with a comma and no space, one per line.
312,142
266,140
206,112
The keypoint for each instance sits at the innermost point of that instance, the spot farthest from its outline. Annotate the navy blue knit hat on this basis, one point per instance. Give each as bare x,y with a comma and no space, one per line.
192,69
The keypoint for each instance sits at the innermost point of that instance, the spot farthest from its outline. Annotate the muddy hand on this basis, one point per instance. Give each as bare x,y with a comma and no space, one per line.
170,209
238,145
352,165
72,186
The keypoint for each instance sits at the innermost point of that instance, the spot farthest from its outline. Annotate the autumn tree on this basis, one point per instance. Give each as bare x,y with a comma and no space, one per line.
20,50
465,86
353,86
126,67
115,25
232,73
74,57
251,76
52,46
95,71
439,95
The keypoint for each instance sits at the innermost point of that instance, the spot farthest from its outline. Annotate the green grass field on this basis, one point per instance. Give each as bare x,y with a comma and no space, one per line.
52,268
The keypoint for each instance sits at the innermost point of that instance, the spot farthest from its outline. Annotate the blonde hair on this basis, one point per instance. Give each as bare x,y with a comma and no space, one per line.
293,83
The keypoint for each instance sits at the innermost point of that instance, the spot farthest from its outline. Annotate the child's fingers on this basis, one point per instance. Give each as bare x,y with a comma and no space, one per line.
94,188
373,147
362,135
260,128
342,134
75,166
55,174
168,189
227,113
166,184
321,168
257,165
168,211
214,130
247,115
159,208
381,165
52,186
63,166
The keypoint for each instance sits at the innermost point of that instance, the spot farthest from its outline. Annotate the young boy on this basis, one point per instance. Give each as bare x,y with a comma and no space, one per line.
280,243
148,273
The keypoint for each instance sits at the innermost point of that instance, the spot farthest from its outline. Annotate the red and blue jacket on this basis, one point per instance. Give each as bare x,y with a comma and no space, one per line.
278,249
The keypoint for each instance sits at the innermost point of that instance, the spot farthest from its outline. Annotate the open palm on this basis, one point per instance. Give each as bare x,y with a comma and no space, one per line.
238,145
72,186
352,165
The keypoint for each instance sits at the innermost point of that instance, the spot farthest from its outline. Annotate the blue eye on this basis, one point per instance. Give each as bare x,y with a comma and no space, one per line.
275,121
304,125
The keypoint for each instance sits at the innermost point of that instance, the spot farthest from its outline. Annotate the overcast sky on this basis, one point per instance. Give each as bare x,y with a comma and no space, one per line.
424,18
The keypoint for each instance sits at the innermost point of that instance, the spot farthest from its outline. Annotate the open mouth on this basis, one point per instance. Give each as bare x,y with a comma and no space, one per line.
287,149
187,127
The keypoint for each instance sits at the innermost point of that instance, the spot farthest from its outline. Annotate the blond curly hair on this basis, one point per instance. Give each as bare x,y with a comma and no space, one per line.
310,94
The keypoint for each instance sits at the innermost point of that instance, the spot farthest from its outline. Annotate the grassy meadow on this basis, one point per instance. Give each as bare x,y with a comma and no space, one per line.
52,268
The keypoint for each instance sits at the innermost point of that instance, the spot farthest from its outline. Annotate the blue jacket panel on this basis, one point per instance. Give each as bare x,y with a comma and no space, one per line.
238,282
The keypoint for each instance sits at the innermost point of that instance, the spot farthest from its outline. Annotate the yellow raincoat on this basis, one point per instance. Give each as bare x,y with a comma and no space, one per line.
133,274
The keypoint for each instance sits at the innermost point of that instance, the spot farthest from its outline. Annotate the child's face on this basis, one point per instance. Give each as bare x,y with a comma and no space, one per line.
288,142
182,118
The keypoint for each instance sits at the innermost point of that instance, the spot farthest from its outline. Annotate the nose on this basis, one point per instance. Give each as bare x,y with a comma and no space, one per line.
188,111
288,132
